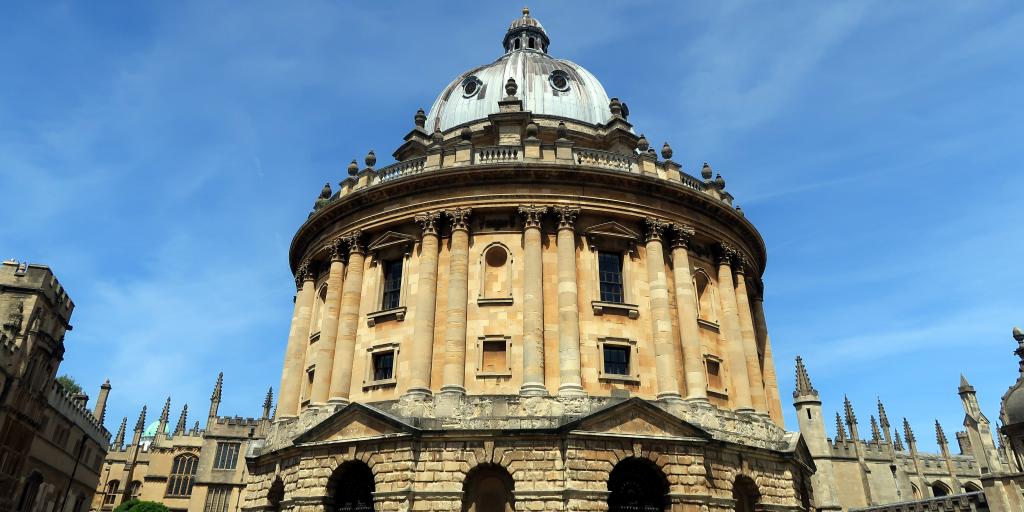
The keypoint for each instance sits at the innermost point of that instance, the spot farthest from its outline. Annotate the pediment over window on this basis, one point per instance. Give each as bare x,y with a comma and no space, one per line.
611,234
637,417
355,421
392,239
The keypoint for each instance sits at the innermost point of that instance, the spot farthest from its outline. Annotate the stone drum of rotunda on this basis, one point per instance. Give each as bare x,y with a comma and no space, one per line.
529,310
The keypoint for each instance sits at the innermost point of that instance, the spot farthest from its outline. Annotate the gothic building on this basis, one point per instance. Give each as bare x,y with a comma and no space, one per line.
51,445
185,468
528,310
887,473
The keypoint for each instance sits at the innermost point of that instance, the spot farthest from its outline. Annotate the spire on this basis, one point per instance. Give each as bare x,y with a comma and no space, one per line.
840,431
940,436
119,438
965,387
165,414
180,427
908,433
803,381
195,428
876,436
851,418
883,419
140,425
215,397
897,443
268,402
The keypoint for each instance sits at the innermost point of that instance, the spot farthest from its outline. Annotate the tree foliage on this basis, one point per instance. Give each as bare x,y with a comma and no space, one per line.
134,505
69,384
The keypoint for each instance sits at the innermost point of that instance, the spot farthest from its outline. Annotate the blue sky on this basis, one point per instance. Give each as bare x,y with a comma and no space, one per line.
160,155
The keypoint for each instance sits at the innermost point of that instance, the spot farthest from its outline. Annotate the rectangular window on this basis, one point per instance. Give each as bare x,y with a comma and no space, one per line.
384,365
714,374
227,456
494,357
218,498
610,276
616,360
392,284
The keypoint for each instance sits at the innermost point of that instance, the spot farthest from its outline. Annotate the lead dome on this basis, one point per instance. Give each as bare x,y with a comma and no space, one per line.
547,86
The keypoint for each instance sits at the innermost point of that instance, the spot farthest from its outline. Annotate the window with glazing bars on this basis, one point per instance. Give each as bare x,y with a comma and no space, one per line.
226,456
616,360
392,284
609,266
183,475
218,498
383,365
111,495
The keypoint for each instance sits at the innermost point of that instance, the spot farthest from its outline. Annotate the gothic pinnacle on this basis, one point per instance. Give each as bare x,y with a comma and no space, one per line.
268,402
940,436
803,381
851,418
965,387
119,438
876,435
897,443
140,425
908,433
883,419
182,420
165,413
840,431
218,387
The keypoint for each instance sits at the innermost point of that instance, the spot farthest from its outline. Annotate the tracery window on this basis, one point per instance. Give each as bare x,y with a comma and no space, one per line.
226,456
110,495
218,497
183,475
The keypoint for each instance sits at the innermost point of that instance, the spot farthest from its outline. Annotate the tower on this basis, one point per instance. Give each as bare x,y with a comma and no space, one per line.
812,426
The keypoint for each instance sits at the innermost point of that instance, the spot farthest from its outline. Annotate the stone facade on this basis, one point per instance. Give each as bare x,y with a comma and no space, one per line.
185,468
528,311
51,445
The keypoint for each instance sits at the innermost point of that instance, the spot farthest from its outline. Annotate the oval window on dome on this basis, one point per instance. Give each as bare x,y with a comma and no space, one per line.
559,80
471,86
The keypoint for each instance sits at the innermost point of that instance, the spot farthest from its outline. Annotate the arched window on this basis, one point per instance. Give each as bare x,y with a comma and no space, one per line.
317,322
276,494
705,297
488,488
183,475
915,491
495,278
518,44
110,495
746,494
531,43
29,492
971,487
351,486
135,489
940,489
637,485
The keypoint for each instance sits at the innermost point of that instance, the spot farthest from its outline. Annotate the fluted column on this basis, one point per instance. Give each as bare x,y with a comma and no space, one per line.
348,321
533,302
325,346
298,339
426,303
458,300
686,308
661,317
570,382
771,384
734,338
757,396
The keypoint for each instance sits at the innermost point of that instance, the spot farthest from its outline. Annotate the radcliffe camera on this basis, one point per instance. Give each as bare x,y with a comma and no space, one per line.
343,257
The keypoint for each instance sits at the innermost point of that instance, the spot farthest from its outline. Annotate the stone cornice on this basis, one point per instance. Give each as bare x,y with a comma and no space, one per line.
714,219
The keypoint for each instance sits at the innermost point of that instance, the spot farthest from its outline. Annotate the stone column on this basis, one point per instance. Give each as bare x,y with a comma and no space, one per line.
740,391
422,349
661,317
348,321
298,340
686,309
771,384
329,332
757,396
458,300
570,382
533,302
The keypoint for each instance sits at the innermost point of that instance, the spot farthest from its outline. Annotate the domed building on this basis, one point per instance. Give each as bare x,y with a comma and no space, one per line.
529,310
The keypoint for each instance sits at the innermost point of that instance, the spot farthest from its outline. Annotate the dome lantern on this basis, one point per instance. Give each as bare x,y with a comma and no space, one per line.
526,33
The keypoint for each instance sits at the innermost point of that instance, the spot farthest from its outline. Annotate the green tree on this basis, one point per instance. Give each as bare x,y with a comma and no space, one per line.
69,384
141,506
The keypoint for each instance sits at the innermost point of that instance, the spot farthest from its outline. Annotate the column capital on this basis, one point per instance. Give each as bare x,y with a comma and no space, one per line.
354,242
304,273
725,254
460,218
337,249
428,222
566,216
741,265
532,214
655,229
683,235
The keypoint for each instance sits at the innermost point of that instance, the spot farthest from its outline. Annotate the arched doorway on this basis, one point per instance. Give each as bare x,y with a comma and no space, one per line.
351,488
637,485
29,492
746,494
488,488
275,495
